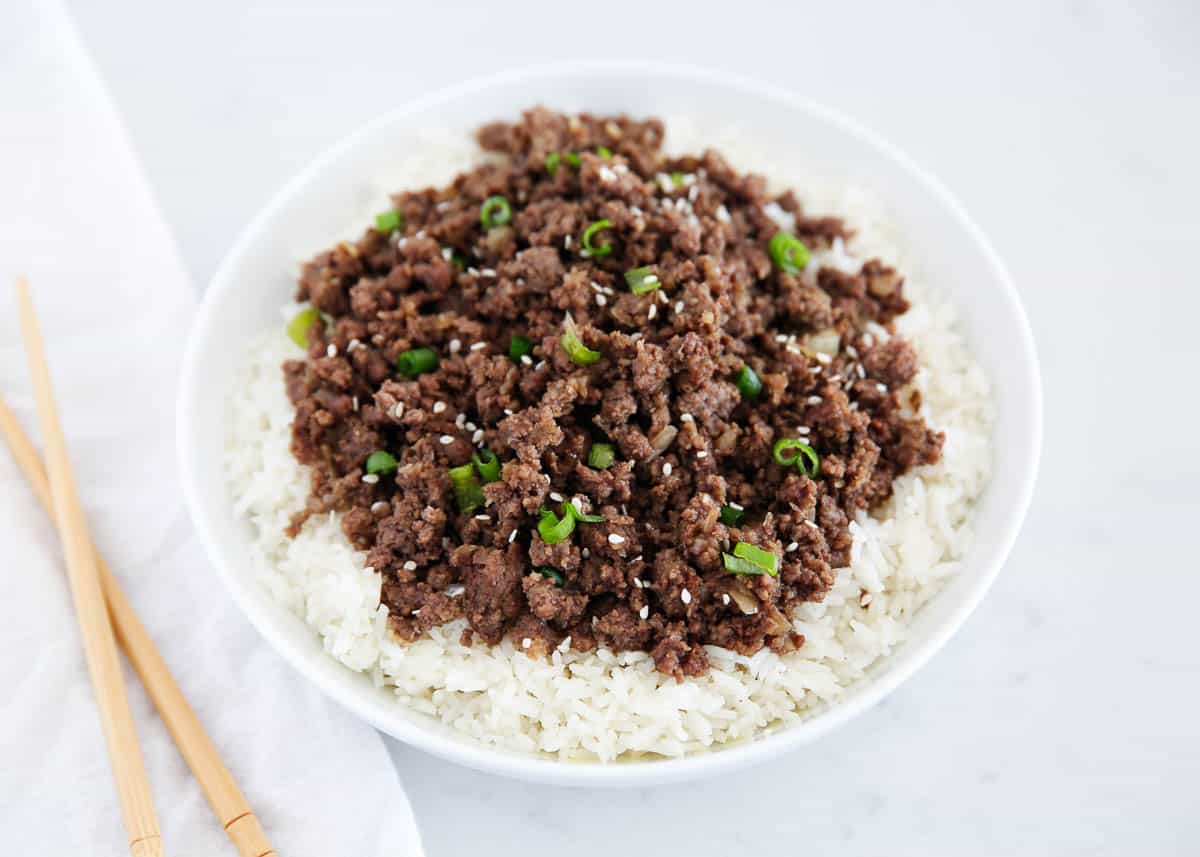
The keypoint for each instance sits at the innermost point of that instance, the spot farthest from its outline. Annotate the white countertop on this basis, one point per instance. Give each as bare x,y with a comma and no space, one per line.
1063,718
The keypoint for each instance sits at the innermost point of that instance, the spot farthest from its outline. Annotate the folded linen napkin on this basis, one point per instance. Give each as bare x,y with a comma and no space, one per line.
77,217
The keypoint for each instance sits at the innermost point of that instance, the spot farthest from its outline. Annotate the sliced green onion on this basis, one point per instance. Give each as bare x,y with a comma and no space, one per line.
788,253
553,529
467,492
573,345
388,222
677,179
458,260
737,565
569,509
301,324
805,457
415,361
601,456
642,280
758,556
487,464
731,516
604,152
495,211
573,159
552,161
519,346
748,383
591,249
381,463
552,573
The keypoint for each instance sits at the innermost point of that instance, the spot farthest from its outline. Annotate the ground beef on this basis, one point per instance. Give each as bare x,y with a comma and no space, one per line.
663,394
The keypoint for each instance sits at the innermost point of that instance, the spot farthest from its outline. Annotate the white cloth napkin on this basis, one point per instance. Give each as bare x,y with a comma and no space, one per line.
77,217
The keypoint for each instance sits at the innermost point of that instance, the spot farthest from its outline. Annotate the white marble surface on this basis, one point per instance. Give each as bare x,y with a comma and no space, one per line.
1063,718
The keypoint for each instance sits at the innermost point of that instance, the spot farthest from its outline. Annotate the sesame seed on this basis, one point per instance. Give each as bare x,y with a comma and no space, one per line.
781,337
607,175
814,400
567,242
645,611
474,272
822,357
488,272
723,214
702,454
539,365
810,523
737,506
410,565
556,497
637,581
416,612
662,297
460,420
512,537
585,553
470,426
331,351
446,440
852,351
438,407
398,410
685,597
455,346
678,307
865,600
447,253
477,437
860,371
881,388
508,412
370,478
354,404
455,589
725,598
478,346
379,506
791,548
652,312
667,469
616,539
482,518
526,643
352,344
803,430
601,300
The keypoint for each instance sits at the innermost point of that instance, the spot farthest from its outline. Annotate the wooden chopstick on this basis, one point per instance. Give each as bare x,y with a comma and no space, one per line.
99,646
226,799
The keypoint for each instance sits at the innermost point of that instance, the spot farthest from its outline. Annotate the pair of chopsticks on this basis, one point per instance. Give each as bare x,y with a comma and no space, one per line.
93,588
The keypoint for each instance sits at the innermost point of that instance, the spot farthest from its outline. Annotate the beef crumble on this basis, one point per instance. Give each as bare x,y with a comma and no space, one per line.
694,472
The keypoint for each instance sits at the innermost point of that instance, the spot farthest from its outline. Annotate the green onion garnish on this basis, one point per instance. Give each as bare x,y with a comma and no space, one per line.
677,179
601,456
467,492
805,458
381,463
487,464
642,280
573,159
458,260
413,362
748,559
553,529
758,556
552,161
388,222
573,345
552,573
788,253
569,508
748,383
604,152
301,324
495,211
591,249
731,516
519,346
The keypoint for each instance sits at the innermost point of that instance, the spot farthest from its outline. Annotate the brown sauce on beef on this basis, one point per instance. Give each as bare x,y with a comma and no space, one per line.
651,576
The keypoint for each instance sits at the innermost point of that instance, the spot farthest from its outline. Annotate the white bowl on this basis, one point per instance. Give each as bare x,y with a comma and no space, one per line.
258,276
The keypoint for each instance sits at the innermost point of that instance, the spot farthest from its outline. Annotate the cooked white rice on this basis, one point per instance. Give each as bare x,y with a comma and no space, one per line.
605,705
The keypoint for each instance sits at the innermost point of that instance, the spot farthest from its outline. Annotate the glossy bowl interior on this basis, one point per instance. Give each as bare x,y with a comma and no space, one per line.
258,276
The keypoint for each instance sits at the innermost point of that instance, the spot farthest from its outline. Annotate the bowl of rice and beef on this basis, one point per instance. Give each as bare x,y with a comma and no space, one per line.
609,424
